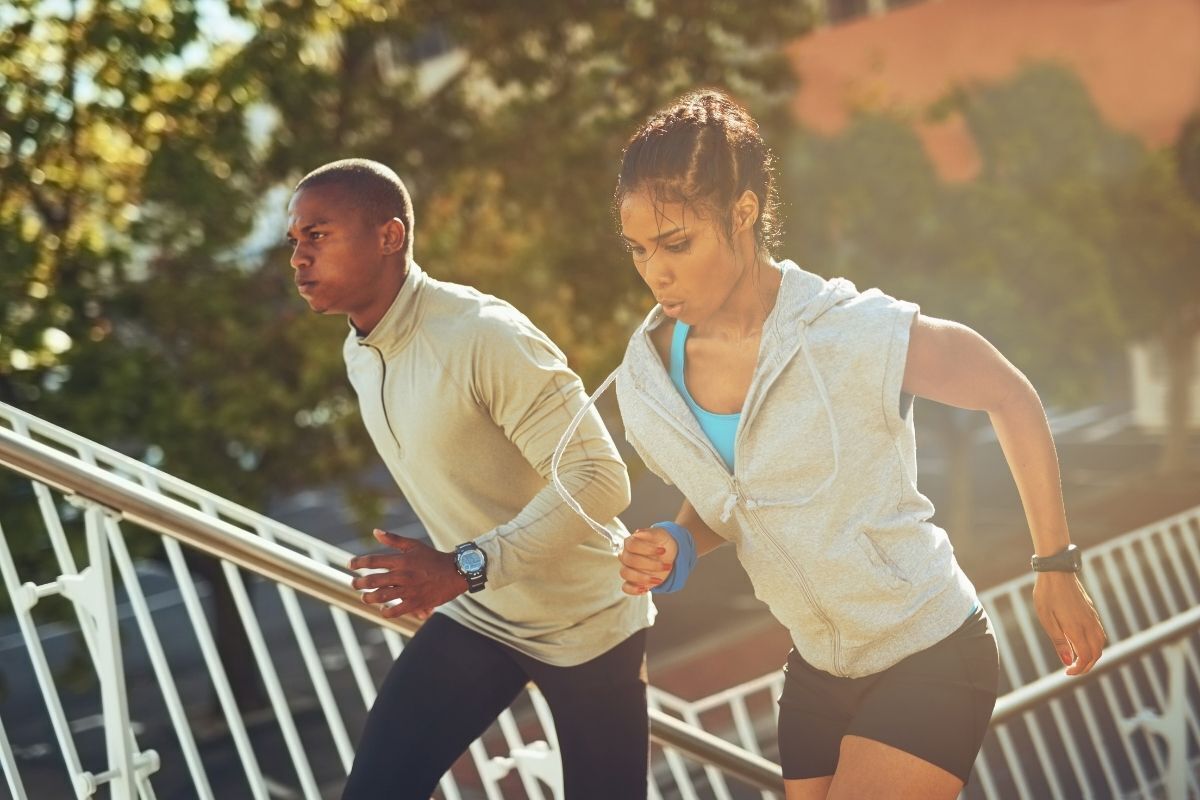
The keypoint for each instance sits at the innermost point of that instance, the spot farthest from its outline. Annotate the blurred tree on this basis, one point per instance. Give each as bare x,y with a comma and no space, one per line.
1018,253
1129,202
1155,260
1181,331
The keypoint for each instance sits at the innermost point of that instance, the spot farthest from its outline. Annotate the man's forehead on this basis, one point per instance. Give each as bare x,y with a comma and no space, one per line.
326,204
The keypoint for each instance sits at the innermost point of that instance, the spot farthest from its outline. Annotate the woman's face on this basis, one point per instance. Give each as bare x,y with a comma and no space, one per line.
688,265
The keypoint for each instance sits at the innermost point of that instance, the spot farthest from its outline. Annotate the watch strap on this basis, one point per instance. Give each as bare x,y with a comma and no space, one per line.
1068,560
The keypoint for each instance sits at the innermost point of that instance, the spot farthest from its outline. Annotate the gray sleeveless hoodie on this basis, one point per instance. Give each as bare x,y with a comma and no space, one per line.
823,505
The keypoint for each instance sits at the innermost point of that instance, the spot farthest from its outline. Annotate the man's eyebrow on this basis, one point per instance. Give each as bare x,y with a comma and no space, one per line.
311,225
660,237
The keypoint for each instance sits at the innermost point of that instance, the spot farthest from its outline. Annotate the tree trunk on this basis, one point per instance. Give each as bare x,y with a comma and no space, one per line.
1179,348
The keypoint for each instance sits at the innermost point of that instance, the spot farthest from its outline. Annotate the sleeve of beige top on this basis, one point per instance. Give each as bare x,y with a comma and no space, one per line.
523,381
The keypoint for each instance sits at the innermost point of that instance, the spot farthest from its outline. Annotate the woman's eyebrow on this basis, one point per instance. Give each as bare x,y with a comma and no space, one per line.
658,238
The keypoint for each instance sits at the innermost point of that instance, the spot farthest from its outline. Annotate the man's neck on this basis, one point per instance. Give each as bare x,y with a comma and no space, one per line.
366,320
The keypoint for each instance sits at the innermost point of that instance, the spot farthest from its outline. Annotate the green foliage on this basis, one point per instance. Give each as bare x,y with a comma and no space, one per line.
1061,247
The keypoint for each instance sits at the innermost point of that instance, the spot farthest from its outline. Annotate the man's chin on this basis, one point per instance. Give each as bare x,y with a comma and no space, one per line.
316,306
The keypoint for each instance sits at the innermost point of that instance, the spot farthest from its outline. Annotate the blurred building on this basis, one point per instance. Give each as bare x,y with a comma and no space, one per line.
1140,60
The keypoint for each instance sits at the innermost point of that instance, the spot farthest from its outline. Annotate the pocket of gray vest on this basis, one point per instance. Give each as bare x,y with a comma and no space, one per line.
884,563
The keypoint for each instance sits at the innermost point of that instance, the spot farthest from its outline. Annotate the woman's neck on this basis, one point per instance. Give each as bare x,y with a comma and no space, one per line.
753,296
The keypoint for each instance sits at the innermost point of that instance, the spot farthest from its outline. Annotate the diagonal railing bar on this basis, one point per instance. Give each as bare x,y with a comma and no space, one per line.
8,762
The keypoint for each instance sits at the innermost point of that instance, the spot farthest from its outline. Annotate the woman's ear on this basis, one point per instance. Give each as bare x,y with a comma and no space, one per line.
745,212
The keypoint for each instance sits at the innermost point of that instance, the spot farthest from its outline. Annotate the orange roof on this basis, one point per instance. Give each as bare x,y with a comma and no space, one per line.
1140,60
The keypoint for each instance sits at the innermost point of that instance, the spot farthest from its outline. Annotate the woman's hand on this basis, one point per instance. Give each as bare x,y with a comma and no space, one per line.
1070,619
647,559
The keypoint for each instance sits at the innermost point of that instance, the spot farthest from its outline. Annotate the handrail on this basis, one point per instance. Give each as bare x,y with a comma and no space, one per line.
190,526
1055,684
324,583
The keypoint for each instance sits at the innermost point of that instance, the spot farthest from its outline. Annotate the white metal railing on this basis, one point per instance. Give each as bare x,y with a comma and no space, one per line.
318,649
1130,730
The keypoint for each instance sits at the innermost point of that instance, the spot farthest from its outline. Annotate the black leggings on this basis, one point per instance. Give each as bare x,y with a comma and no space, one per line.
450,683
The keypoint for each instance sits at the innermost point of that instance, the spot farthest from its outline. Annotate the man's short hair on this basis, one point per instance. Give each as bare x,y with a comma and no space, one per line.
372,188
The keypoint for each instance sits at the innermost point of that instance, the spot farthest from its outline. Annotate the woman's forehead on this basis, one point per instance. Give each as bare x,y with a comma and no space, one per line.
646,216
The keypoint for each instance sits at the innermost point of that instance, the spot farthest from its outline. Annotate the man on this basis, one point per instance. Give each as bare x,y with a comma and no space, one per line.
465,401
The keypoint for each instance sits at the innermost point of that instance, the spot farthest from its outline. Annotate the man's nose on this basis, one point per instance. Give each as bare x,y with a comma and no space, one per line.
299,256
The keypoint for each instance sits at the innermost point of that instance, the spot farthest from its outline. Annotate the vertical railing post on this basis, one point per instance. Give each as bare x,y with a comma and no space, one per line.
92,592
1170,723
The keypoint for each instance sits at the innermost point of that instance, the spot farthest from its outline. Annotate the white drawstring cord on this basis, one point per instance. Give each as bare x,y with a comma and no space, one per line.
614,540
734,496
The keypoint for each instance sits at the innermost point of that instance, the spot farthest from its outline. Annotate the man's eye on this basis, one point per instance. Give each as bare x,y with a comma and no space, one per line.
290,241
316,235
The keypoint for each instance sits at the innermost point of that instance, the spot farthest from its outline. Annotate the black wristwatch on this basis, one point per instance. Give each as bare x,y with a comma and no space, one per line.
1069,560
471,563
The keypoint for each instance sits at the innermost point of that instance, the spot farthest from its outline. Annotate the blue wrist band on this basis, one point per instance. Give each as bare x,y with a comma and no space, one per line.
684,561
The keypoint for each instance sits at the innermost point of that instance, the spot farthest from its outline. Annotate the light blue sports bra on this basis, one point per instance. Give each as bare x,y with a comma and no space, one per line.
719,428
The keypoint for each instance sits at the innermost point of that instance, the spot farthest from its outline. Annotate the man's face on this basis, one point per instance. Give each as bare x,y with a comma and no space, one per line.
339,257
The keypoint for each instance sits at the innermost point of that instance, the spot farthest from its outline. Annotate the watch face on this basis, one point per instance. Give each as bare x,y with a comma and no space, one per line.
470,561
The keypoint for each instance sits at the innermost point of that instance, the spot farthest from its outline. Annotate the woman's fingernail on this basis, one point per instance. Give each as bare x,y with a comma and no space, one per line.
1066,659
662,551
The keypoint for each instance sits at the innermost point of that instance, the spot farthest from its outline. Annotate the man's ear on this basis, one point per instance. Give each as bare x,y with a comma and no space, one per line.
393,236
745,212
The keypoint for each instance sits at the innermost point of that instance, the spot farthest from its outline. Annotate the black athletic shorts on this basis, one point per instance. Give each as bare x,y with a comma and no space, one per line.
935,704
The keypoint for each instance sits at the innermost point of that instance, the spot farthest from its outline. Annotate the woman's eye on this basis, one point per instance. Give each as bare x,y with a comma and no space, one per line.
678,247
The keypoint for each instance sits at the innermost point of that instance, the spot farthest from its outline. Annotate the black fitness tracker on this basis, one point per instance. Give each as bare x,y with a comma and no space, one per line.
1069,560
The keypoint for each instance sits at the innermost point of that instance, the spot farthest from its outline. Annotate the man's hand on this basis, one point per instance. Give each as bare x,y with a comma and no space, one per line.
419,576
647,559
1070,619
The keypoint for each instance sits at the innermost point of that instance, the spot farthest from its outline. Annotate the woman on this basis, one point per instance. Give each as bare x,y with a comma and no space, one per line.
780,404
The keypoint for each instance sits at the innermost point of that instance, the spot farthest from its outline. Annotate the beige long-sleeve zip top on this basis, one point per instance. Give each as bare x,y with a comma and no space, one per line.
465,400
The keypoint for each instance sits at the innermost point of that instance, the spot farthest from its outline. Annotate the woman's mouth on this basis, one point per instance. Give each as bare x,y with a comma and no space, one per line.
671,307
